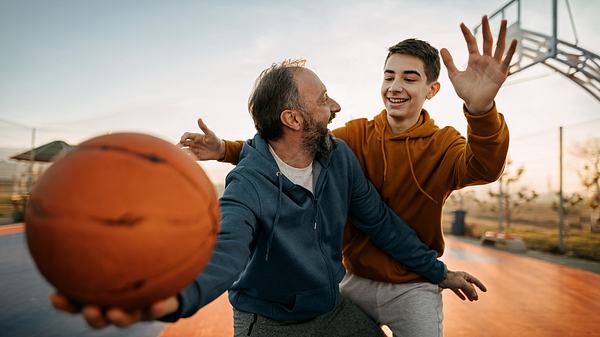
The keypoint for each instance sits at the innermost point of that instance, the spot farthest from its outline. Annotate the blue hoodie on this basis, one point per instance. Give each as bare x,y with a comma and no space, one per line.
279,250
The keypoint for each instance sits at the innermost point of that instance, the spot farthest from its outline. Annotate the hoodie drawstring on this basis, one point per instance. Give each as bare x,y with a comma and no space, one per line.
412,171
381,137
279,174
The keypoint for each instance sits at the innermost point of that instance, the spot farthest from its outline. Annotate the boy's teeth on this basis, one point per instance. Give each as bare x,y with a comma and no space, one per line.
397,100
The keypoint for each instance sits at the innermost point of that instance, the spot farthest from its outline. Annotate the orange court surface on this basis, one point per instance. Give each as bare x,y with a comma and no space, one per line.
526,297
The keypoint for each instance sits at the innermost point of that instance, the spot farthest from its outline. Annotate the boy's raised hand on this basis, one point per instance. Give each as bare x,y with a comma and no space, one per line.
480,82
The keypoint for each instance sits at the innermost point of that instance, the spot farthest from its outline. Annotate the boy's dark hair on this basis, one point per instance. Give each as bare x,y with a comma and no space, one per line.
424,51
275,90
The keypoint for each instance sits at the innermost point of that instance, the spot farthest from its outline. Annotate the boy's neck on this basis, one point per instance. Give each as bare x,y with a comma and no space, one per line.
399,125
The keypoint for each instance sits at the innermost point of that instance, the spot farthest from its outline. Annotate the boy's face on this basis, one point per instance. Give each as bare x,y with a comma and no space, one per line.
405,88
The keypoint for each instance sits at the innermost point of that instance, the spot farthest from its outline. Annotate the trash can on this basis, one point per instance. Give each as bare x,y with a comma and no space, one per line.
458,223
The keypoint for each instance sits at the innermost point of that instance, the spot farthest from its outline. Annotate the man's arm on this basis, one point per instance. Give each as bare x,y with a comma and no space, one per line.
227,261
389,232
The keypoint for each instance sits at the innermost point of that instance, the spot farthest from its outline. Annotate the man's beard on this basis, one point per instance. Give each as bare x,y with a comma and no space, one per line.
316,138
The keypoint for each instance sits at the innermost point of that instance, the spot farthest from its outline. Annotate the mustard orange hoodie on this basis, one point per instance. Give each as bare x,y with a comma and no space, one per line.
415,172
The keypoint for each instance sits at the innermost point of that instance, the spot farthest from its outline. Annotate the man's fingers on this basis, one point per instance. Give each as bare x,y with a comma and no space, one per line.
501,43
62,303
488,39
93,316
470,39
509,56
447,58
122,318
163,308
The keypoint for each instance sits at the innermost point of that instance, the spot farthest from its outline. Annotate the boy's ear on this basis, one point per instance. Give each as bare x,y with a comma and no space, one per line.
293,119
433,89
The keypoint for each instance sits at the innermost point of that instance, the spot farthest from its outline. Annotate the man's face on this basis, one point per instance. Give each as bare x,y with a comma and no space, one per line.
405,88
319,108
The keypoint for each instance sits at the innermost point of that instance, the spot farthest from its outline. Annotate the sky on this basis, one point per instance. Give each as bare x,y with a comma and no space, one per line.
76,69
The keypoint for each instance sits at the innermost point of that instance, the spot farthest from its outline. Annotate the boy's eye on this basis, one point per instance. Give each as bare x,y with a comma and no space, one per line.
388,78
409,79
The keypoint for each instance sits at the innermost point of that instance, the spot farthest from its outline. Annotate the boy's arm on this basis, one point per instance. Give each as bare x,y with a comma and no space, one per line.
207,146
481,159
480,82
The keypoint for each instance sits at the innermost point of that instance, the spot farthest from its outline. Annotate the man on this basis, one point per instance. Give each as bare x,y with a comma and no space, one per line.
415,166
282,219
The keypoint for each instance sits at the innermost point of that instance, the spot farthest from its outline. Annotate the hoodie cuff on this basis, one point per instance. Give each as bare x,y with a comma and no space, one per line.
171,318
232,151
484,125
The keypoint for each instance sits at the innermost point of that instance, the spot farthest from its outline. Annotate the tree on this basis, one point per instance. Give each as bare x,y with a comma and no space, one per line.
509,201
589,175
570,202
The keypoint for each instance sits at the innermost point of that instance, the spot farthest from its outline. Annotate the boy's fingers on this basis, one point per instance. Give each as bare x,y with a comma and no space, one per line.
208,132
449,62
488,39
470,39
459,294
501,43
509,55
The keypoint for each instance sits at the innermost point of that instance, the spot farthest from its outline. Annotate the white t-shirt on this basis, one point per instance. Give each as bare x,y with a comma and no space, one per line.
299,176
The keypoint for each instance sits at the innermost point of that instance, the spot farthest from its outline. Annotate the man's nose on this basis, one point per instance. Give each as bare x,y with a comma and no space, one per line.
335,107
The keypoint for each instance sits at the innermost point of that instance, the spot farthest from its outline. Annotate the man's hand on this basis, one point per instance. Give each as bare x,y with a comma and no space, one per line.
461,283
480,82
204,146
98,318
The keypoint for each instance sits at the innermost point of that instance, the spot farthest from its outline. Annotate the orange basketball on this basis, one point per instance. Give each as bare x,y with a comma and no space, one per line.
123,220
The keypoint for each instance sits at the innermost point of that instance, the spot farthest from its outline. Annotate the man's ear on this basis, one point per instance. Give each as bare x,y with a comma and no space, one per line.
293,119
433,89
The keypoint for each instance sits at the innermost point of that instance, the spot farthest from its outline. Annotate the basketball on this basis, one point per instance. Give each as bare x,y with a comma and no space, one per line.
122,220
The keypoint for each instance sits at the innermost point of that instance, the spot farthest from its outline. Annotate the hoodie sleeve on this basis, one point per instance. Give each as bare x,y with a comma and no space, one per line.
233,148
387,231
480,159
238,222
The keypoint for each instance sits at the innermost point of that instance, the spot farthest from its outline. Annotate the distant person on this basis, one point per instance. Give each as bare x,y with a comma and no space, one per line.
279,249
415,166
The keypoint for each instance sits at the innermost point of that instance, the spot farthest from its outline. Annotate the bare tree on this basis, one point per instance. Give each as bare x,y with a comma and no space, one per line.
589,175
570,202
509,201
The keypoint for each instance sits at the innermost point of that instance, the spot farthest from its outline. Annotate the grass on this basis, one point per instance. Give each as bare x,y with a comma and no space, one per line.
578,242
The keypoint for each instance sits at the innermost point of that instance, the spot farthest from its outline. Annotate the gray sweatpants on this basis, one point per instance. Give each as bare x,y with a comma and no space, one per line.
346,320
408,309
